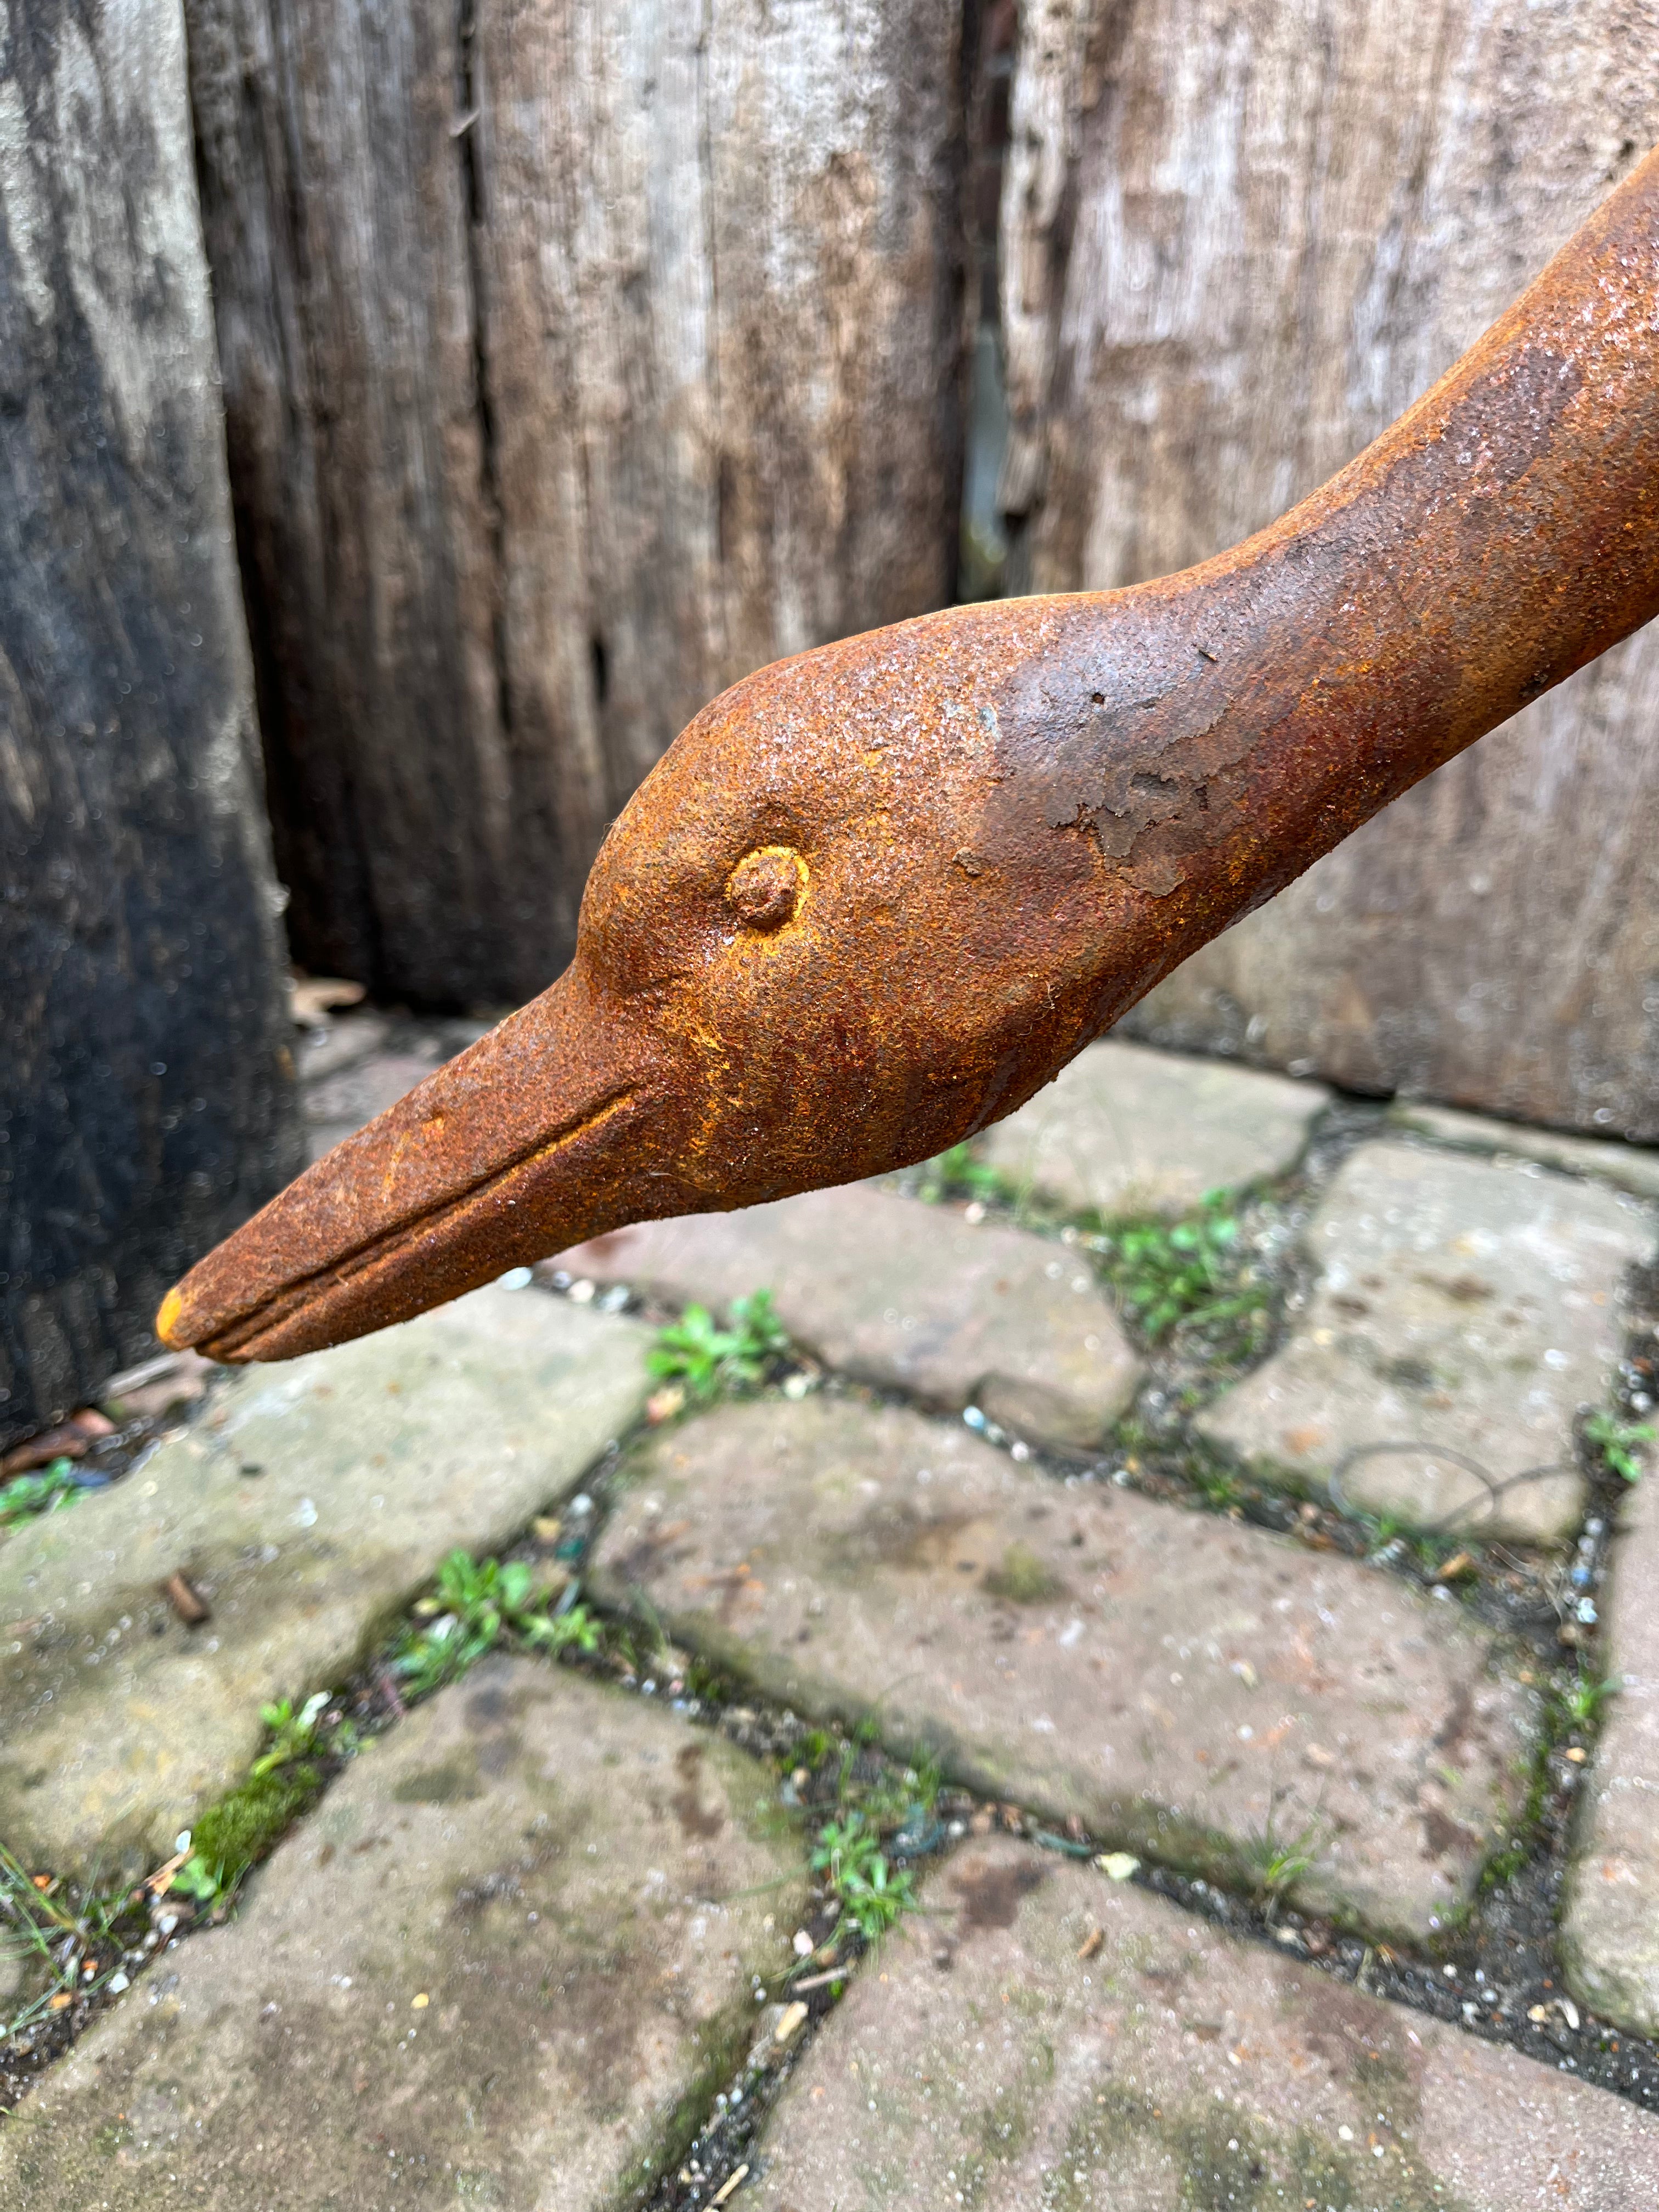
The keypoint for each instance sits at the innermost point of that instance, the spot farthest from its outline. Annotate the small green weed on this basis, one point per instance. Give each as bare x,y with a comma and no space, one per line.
877,1897
707,1359
1569,1710
883,1811
1217,1485
26,1495
293,1734
1382,1529
706,1682
1504,1864
1618,1441
957,1171
1507,1862
476,1602
874,1896
1392,1536
201,1883
897,1801
1167,1274
574,1629
425,1658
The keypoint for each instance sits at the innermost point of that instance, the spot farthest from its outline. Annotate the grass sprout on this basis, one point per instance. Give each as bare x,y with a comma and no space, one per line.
73,1935
1274,1862
1580,1706
293,1734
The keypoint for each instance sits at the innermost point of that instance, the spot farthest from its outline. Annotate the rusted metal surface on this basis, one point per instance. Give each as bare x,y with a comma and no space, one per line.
873,897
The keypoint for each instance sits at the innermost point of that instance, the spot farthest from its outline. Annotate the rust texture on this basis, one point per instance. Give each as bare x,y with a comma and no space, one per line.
875,896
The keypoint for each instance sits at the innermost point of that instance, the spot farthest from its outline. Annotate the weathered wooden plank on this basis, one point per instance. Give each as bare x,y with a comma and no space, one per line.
145,1090
1239,237
577,360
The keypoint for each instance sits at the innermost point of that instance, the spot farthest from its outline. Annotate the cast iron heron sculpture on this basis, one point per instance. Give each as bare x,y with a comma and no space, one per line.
873,897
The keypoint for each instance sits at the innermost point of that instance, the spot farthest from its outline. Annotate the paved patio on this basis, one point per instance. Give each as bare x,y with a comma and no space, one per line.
1253,1678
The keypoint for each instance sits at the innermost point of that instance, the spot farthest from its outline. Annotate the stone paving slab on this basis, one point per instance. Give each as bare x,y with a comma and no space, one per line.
1634,1168
1127,1130
905,1295
1185,1685
508,1961
341,1041
1073,2042
1465,1310
1610,1932
307,1509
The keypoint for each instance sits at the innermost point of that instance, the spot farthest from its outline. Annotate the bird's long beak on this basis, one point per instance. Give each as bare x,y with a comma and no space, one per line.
526,1143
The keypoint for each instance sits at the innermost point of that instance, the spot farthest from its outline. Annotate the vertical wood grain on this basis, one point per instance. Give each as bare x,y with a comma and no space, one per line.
146,1094
1238,239
578,359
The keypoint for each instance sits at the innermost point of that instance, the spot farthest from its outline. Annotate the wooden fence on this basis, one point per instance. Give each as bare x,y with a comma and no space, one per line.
1239,238
576,358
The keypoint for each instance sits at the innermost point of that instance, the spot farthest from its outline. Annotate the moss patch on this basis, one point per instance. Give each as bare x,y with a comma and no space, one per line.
1023,1579
1228,2163
245,1826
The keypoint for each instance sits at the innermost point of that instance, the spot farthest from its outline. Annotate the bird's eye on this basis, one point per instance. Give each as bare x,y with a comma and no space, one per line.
764,890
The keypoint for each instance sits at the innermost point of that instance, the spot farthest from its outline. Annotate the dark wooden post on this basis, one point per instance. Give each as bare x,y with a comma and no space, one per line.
146,1094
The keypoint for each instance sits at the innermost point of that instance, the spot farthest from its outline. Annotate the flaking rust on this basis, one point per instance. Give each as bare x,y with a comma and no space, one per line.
875,896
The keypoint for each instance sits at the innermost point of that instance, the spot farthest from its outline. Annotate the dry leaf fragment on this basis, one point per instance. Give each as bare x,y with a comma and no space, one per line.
311,998
185,1600
160,1881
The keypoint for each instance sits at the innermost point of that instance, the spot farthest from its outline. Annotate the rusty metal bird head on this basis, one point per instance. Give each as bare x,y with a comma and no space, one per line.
811,947
874,896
